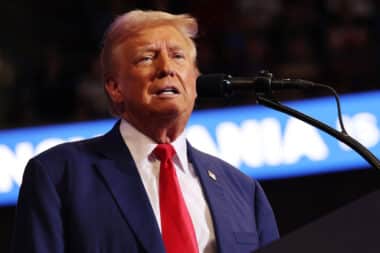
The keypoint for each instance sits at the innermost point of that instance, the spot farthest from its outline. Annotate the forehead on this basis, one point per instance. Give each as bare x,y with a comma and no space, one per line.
155,37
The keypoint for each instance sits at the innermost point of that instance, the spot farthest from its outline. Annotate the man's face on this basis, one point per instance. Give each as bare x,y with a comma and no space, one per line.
156,75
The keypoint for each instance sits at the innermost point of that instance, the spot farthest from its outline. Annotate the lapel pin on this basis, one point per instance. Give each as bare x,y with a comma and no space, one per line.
212,175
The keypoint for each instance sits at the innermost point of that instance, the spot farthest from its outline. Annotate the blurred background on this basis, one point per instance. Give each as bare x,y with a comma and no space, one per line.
49,70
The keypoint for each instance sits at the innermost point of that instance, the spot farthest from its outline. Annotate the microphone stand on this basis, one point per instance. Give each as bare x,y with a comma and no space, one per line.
343,137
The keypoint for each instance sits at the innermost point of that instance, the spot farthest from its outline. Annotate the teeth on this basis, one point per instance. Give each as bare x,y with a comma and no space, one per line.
168,91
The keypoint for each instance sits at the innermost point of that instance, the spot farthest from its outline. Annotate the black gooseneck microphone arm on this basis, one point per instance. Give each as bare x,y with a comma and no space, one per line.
266,98
345,138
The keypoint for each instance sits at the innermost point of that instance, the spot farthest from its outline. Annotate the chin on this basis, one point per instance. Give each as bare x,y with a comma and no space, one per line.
172,112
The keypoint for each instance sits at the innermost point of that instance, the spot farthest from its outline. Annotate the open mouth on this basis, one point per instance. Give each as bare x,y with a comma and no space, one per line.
168,91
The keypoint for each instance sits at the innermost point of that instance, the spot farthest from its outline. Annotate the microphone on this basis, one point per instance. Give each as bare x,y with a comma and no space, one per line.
223,85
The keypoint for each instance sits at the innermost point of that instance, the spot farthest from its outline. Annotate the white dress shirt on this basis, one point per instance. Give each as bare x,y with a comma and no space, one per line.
141,148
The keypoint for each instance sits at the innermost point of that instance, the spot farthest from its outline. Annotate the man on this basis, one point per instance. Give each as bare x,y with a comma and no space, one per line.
114,193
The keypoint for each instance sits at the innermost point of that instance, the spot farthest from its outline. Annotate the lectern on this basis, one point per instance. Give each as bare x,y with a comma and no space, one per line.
354,228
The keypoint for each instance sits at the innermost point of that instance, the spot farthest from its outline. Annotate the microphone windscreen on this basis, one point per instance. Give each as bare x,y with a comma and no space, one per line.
212,85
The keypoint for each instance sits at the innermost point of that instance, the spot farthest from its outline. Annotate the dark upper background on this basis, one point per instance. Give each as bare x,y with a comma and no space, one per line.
49,71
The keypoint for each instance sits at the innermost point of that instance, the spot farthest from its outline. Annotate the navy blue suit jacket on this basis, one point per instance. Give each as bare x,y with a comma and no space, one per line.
87,197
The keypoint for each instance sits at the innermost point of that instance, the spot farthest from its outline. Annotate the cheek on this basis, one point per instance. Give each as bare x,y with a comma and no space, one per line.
194,89
191,79
134,83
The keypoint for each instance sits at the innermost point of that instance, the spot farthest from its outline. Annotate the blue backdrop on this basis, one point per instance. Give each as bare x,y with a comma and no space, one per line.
261,142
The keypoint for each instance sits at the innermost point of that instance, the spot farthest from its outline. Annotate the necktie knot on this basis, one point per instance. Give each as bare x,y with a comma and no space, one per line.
164,152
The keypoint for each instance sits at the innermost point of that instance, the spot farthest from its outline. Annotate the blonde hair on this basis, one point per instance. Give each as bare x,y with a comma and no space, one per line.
134,21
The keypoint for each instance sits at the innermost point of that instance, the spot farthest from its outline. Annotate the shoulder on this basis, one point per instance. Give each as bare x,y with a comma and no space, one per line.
64,159
68,150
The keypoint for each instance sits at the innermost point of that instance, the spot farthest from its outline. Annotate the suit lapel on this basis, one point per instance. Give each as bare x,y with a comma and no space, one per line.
121,176
212,181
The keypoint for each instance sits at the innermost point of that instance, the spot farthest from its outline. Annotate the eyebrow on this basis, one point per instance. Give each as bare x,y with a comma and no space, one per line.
154,47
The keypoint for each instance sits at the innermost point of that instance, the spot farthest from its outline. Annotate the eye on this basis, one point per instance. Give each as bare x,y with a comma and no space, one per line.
143,59
179,55
146,58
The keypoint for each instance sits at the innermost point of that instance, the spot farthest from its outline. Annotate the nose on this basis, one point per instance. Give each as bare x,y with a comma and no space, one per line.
164,66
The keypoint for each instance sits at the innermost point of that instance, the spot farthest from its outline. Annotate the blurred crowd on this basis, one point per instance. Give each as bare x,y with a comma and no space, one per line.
49,69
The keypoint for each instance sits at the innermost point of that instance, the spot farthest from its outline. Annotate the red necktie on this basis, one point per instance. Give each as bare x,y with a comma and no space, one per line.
176,226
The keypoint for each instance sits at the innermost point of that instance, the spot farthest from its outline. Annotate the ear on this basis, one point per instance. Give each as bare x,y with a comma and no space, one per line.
113,90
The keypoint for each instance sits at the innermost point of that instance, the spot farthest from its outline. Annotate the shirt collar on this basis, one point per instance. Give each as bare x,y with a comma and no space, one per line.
141,146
